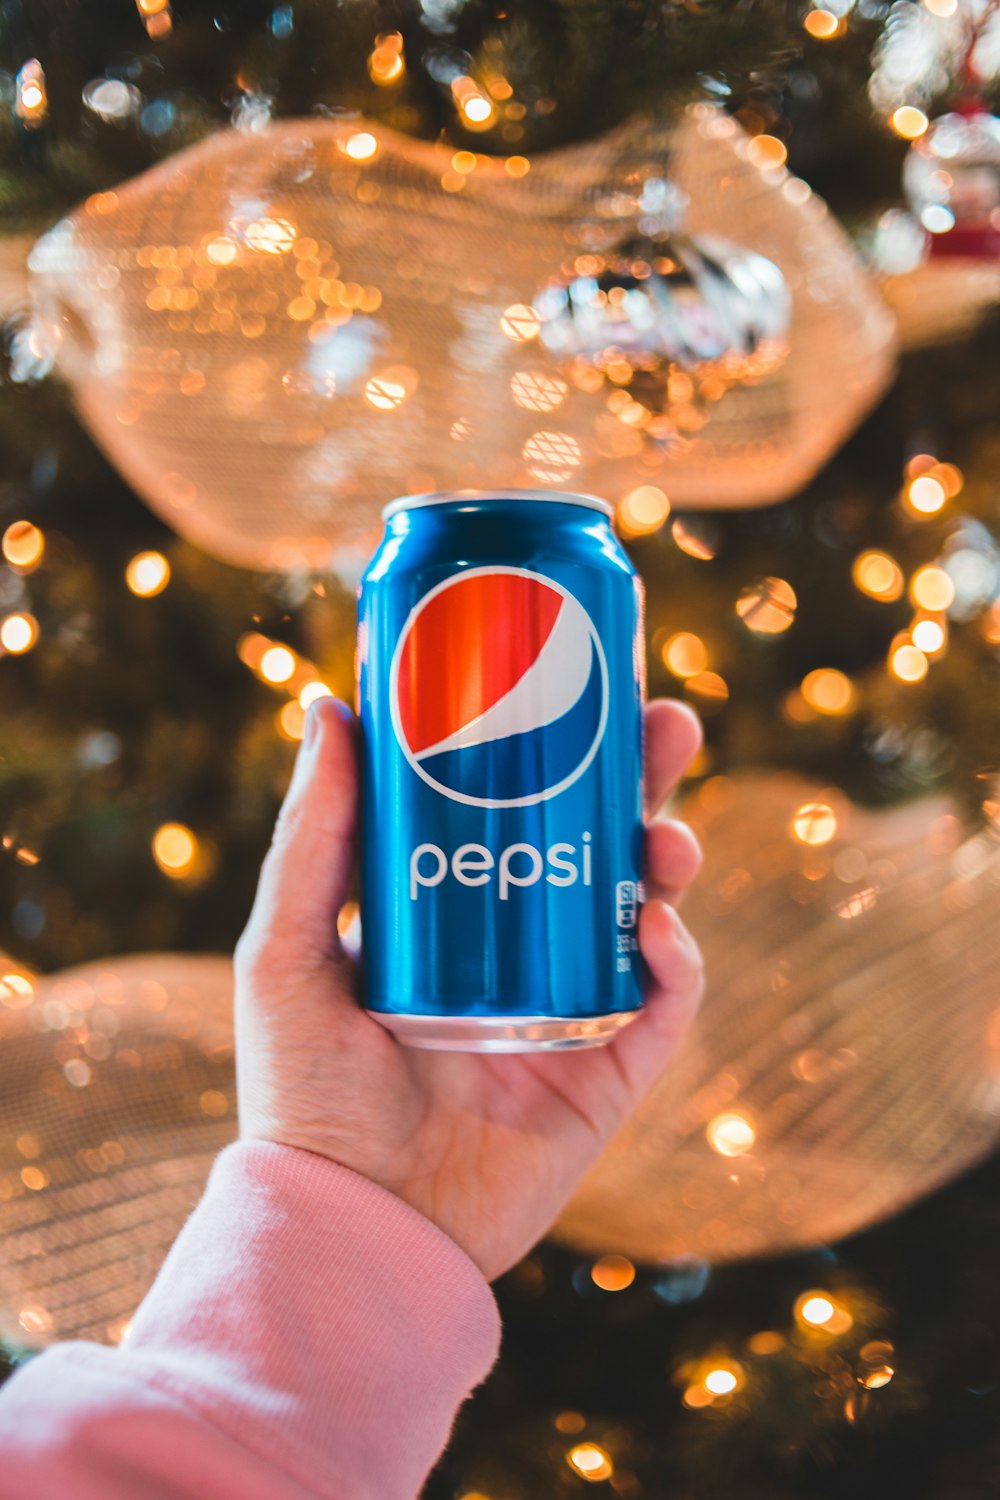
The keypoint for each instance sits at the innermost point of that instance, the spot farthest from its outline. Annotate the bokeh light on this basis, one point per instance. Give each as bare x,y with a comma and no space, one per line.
277,664
768,606
821,24
814,823
612,1273
878,575
23,545
828,691
642,510
147,574
590,1461
909,122
730,1134
18,633
684,654
925,494
908,663
932,588
175,849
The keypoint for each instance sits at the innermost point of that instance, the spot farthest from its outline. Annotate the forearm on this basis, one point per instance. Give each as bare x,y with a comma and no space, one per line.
308,1335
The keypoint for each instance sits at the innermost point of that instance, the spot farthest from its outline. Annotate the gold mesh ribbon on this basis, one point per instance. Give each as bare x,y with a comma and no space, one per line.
271,337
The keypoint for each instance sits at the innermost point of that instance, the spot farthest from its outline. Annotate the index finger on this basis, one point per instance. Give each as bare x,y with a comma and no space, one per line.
673,737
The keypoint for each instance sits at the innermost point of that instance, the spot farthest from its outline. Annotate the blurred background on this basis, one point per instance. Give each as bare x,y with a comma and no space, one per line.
734,266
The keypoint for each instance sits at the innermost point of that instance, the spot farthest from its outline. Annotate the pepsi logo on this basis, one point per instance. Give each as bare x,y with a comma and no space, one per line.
499,688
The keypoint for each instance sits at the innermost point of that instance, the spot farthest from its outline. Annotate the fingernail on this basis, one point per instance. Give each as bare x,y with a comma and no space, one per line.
312,727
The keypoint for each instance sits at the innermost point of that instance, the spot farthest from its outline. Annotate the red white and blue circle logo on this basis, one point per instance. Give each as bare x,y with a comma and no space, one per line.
499,688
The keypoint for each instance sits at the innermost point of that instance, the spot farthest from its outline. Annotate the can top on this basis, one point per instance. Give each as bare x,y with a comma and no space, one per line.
446,497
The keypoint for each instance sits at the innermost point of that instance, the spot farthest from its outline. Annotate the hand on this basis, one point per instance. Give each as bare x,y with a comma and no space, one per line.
488,1147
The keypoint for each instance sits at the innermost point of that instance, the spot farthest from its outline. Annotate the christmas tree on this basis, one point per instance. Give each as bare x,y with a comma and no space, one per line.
153,694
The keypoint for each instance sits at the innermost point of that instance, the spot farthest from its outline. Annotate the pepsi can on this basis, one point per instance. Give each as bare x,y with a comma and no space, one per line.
501,684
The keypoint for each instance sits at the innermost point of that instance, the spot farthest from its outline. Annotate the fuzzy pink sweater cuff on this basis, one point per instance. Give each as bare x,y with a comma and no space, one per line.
308,1334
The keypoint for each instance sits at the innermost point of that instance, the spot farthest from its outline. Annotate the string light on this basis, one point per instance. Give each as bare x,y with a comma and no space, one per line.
730,1134
18,633
291,720
908,663
147,574
695,539
932,588
643,510
814,823
768,606
390,389
277,664
828,691
312,692
517,166
909,122
476,109
156,17
533,390
821,24
590,1461
712,1382
925,495
175,850
612,1273
385,63
520,323
23,545
721,1382
767,151
819,1311
878,575
684,654
31,102
361,146
710,688
929,635
270,236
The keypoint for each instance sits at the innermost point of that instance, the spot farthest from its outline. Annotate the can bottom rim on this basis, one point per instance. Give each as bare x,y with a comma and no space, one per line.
503,1033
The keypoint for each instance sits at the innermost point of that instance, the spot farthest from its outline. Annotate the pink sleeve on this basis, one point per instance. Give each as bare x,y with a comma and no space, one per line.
309,1334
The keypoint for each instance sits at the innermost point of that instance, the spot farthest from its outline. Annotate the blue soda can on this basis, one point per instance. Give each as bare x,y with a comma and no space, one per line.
501,684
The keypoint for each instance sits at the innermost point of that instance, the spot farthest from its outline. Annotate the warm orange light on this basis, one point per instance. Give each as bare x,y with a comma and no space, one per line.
685,655
932,588
23,545
821,1312
643,510
313,691
768,606
270,236
18,633
878,575
730,1134
175,850
385,62
909,122
767,151
520,323
277,664
147,574
612,1273
925,495
291,720
517,166
221,251
361,146
533,390
828,691
590,1461
929,636
908,663
390,388
821,24
814,823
